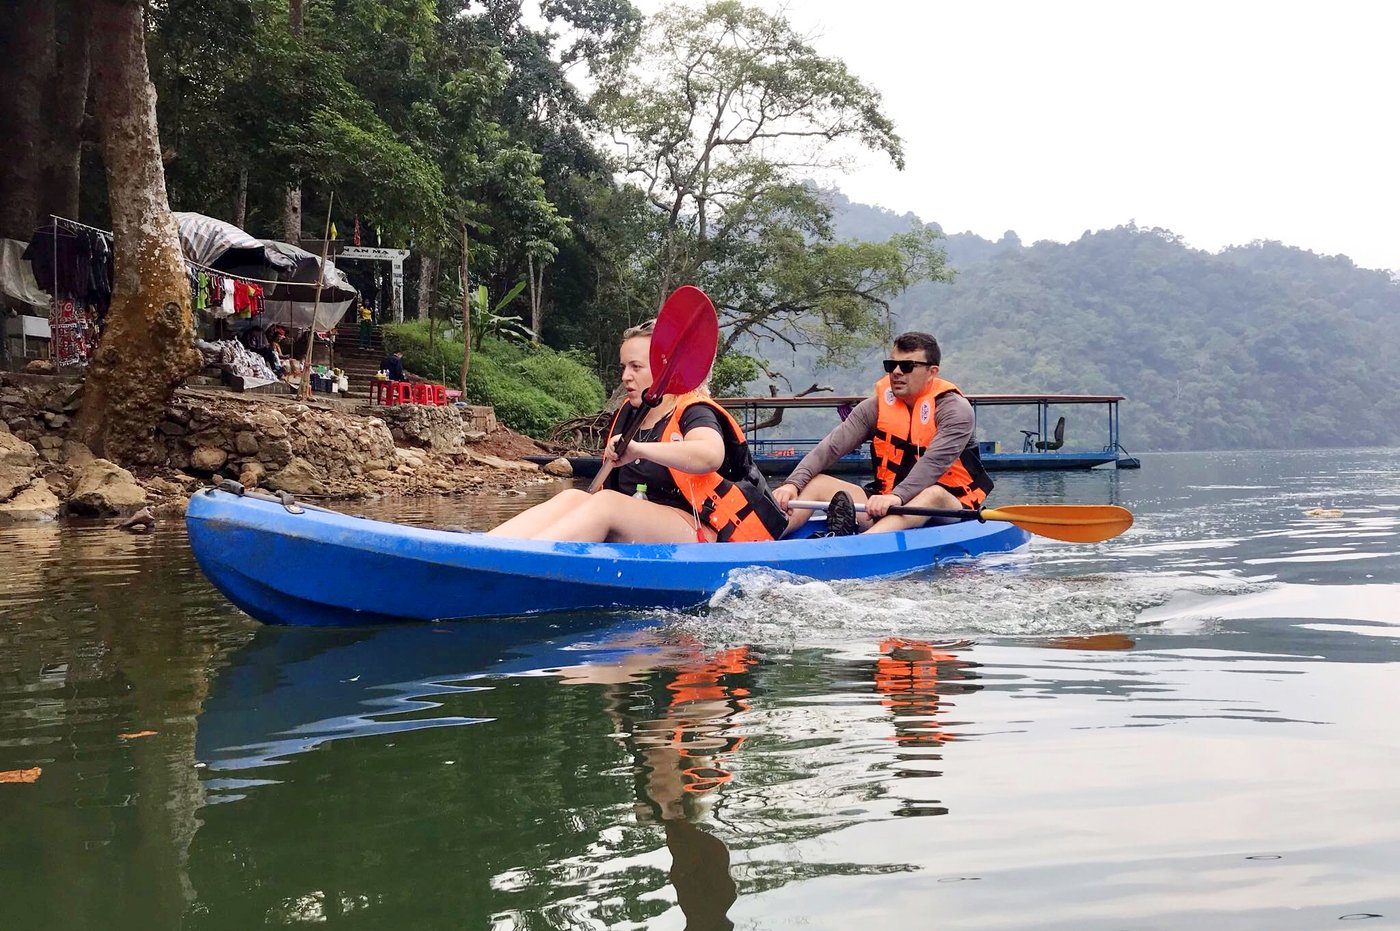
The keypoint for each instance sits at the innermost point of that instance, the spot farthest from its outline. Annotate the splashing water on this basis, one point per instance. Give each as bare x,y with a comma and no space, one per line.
766,605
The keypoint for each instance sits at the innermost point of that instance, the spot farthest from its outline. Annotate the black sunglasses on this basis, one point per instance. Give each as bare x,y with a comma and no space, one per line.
904,365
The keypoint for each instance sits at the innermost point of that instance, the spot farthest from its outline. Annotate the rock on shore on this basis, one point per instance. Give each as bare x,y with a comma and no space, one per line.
279,443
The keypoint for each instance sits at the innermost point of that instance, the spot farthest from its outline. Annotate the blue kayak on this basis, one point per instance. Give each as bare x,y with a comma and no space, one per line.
289,565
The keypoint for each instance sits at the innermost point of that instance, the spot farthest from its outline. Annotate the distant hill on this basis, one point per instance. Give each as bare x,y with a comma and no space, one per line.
1258,346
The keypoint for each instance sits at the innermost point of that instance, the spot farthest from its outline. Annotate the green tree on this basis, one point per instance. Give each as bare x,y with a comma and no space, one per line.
725,111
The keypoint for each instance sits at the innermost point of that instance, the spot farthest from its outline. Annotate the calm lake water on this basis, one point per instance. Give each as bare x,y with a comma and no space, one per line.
1193,725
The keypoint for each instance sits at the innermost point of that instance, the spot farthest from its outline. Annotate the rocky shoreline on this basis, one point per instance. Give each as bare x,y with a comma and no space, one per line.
309,449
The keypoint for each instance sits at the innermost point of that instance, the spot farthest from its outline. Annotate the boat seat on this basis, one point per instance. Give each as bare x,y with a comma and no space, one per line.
1044,446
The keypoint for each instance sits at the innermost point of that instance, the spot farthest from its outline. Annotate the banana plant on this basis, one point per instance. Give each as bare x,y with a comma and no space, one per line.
491,320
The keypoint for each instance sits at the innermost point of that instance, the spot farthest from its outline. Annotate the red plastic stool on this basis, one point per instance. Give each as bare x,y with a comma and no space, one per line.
439,394
391,392
421,393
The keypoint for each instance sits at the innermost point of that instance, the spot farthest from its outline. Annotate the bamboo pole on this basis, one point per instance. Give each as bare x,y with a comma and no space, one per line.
316,304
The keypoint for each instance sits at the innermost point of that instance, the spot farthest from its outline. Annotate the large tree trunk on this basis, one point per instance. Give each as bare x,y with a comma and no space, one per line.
26,70
536,296
147,347
291,212
291,216
240,202
68,96
427,286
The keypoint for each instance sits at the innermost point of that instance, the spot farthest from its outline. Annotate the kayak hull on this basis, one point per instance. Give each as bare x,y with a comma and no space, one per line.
322,568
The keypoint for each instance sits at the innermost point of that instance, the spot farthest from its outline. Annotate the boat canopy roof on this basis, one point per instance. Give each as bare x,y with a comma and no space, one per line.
837,400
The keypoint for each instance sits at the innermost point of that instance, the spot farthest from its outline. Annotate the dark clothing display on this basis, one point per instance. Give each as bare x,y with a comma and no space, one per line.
73,263
61,260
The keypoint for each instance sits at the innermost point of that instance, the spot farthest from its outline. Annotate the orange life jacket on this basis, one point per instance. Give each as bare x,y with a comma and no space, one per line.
698,724
904,431
734,501
906,675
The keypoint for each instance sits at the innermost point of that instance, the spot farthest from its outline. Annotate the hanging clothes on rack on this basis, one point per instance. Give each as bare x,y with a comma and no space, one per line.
68,345
61,261
100,271
226,297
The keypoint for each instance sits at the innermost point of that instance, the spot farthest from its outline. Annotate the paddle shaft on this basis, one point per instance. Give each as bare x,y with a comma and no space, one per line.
898,509
1073,523
634,423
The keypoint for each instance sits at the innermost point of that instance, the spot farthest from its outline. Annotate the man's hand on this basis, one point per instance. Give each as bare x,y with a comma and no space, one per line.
784,494
879,505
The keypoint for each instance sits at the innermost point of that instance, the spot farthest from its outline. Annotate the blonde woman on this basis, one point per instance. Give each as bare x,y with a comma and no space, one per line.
700,482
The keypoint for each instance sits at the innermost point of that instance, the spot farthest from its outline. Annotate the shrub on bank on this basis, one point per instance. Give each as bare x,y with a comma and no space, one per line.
532,388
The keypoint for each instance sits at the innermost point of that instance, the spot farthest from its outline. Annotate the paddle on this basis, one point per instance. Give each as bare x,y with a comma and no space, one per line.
1073,523
683,344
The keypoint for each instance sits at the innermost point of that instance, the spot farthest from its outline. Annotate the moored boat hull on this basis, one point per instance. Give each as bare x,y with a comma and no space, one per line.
322,568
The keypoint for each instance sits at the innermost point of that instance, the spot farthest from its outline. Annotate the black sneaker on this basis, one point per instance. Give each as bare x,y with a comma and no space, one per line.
841,515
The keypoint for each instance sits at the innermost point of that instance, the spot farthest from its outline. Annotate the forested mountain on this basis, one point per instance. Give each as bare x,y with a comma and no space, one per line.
1258,346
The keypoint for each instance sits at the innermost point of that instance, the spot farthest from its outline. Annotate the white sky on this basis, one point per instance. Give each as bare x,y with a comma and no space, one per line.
1223,121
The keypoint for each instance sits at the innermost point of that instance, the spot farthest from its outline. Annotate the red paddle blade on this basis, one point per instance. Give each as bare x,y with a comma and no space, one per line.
683,342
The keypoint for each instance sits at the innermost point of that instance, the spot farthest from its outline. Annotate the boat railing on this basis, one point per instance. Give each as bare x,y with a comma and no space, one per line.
756,414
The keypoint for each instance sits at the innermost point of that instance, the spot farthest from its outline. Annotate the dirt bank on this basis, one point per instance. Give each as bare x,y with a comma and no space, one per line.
310,449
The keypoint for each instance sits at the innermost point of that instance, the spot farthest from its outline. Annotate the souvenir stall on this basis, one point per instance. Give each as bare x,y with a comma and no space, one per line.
252,299
310,301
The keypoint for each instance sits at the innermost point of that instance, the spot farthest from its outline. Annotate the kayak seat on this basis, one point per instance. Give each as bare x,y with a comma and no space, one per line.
1044,446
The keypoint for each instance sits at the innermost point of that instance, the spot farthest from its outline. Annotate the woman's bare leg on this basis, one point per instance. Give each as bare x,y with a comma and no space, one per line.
526,524
614,517
822,488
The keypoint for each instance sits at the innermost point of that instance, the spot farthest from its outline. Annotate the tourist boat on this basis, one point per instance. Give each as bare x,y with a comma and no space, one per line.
287,563
1044,448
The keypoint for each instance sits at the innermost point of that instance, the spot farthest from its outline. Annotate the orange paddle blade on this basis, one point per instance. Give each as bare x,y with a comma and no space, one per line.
1073,523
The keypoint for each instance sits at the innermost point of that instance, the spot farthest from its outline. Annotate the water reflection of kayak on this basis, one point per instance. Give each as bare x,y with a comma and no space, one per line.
316,567
291,690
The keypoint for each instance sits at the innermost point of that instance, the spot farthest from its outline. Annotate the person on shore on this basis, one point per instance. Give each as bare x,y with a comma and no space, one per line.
366,328
688,475
923,450
393,367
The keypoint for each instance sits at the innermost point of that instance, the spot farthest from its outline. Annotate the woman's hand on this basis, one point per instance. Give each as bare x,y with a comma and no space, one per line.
635,449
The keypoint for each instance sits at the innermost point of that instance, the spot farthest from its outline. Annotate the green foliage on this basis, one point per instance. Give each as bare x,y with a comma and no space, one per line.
732,372
1259,346
492,321
724,110
356,153
531,387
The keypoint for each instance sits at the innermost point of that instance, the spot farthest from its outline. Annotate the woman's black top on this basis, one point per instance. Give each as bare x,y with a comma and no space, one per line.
661,488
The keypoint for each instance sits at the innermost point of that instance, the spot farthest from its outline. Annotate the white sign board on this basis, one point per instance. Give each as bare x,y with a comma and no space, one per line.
395,259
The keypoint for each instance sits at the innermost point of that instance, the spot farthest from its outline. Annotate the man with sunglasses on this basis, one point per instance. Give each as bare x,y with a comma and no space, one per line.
923,451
